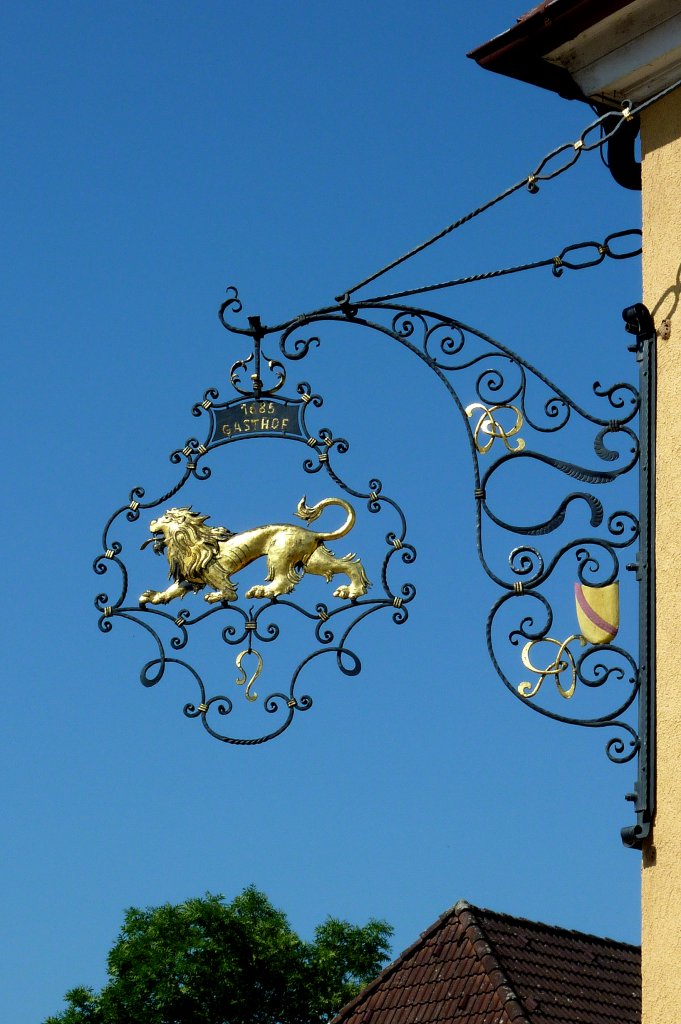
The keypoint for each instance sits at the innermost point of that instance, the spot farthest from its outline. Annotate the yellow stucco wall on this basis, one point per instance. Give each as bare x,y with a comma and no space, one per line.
661,883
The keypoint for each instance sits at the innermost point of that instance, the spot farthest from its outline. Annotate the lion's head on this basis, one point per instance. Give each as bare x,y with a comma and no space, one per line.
189,544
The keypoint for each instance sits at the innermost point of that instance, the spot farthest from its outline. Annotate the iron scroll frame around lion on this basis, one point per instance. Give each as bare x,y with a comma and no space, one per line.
257,412
499,418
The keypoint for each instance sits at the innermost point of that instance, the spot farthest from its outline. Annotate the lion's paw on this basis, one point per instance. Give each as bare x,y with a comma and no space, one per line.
257,592
150,597
343,593
218,595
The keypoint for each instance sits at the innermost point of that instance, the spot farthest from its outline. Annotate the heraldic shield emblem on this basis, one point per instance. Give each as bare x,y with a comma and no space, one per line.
598,612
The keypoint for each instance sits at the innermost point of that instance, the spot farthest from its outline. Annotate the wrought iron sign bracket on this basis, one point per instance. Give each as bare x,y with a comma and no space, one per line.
498,423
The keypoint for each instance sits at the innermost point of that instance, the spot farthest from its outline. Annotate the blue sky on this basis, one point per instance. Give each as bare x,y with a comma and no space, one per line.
156,153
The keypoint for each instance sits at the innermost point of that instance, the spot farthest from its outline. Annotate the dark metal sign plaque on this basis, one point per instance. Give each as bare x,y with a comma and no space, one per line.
260,417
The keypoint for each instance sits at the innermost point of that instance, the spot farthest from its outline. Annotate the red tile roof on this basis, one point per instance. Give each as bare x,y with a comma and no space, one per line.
475,966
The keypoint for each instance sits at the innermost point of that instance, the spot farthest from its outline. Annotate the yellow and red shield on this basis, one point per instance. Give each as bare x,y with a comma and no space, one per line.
598,612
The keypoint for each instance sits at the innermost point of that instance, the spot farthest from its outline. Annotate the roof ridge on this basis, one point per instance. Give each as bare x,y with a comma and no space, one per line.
484,950
576,932
392,966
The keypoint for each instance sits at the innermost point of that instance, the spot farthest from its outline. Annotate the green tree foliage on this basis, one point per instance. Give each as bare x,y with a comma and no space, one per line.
211,962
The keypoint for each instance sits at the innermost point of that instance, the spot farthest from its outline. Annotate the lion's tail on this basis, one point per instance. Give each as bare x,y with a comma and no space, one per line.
311,513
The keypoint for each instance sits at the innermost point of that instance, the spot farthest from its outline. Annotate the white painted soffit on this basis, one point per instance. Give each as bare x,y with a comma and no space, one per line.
632,54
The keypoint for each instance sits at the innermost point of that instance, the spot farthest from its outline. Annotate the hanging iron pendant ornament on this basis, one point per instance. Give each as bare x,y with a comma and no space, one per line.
204,560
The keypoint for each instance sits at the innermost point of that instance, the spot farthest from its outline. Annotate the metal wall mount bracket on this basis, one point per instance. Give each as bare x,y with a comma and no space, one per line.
639,322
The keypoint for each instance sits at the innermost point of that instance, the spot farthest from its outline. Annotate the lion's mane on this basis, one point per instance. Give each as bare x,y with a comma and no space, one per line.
193,545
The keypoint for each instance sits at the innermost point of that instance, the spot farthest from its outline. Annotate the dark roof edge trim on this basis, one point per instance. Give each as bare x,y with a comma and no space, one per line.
519,52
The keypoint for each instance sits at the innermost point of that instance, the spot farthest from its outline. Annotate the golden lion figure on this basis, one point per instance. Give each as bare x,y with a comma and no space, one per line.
207,556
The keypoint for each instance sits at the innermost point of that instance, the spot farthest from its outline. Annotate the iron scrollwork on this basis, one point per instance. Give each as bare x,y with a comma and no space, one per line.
513,416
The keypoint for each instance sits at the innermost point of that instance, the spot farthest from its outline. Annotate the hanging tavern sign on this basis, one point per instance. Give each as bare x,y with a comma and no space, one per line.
558,559
511,414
